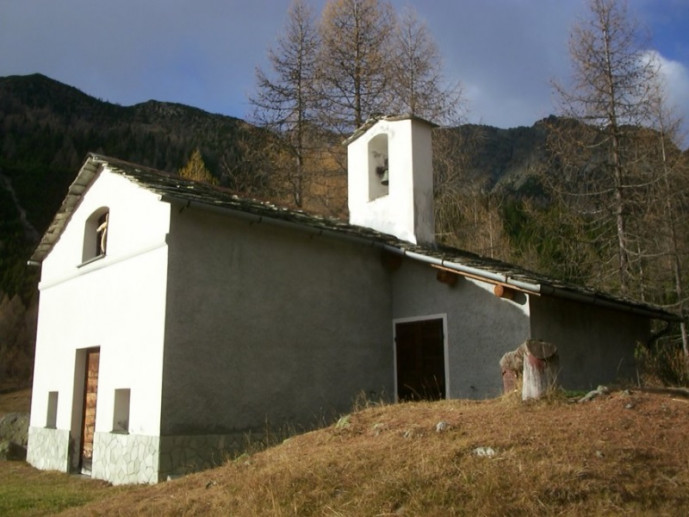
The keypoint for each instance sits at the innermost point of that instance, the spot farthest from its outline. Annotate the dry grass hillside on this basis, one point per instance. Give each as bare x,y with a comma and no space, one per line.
13,400
621,454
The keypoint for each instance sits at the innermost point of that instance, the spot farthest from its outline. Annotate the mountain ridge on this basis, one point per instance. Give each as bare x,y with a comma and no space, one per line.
48,128
490,198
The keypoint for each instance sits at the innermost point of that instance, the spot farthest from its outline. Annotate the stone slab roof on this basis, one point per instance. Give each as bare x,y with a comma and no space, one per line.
181,191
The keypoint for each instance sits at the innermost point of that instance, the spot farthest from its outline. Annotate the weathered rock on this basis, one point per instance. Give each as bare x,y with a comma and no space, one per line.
442,426
12,451
513,360
601,390
14,427
484,452
536,363
511,366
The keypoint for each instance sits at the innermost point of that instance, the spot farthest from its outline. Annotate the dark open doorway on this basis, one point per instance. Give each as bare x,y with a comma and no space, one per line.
420,347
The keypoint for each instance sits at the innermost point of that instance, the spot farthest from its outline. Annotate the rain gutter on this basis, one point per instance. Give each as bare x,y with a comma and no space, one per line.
538,289
489,276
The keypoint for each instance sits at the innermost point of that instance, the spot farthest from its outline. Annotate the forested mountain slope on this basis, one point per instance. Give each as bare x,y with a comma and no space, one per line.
491,195
46,129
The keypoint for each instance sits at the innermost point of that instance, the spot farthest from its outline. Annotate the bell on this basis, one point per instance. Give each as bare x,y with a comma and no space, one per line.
385,179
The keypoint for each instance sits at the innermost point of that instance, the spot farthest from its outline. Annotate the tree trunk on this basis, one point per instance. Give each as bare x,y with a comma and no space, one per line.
541,364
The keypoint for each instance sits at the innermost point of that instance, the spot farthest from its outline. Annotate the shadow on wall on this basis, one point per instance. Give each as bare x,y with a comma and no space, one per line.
481,324
596,345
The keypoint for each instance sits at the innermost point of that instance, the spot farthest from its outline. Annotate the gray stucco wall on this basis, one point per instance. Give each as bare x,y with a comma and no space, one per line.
480,326
596,345
268,325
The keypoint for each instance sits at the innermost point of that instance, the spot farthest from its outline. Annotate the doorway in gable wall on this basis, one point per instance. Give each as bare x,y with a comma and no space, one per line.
420,352
91,363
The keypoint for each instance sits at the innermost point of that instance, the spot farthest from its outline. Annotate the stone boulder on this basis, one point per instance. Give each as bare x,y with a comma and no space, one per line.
14,435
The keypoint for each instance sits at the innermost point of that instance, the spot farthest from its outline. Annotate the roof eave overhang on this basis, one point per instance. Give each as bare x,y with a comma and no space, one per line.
390,118
533,288
95,163
591,298
92,166
257,218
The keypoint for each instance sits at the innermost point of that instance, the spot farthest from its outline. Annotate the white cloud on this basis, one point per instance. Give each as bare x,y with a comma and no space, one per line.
203,53
676,79
505,54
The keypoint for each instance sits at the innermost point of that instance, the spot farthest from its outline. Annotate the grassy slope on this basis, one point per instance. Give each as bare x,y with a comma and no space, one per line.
25,491
621,454
14,401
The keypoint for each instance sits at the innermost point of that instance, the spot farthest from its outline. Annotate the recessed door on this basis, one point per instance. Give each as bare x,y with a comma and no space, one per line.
420,348
88,426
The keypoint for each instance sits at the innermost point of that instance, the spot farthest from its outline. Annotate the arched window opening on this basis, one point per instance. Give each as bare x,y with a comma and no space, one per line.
102,234
378,172
96,235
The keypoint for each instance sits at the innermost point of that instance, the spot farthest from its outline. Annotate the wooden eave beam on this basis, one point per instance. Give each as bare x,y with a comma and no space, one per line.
486,280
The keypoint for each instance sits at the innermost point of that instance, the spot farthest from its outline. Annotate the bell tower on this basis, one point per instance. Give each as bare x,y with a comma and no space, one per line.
390,178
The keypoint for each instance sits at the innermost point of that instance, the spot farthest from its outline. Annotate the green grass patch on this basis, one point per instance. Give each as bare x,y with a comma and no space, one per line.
25,491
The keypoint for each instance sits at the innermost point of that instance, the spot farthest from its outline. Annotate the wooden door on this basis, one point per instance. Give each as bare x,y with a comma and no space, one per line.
420,347
88,426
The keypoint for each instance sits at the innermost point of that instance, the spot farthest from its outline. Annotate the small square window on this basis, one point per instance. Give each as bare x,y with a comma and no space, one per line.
51,415
120,420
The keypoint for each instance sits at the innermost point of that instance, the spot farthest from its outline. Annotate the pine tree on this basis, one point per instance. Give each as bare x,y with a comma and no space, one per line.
195,169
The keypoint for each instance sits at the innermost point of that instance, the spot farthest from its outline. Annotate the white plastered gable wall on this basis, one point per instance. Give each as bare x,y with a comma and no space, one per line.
126,236
403,208
116,302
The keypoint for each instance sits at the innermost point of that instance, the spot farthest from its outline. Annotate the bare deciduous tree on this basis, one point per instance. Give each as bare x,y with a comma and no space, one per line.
417,77
248,166
467,213
354,62
668,202
325,83
610,92
286,102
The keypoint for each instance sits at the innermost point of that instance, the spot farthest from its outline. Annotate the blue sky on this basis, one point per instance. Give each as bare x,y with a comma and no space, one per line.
203,52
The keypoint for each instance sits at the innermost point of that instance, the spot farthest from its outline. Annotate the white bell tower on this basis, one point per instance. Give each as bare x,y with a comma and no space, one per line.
390,178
